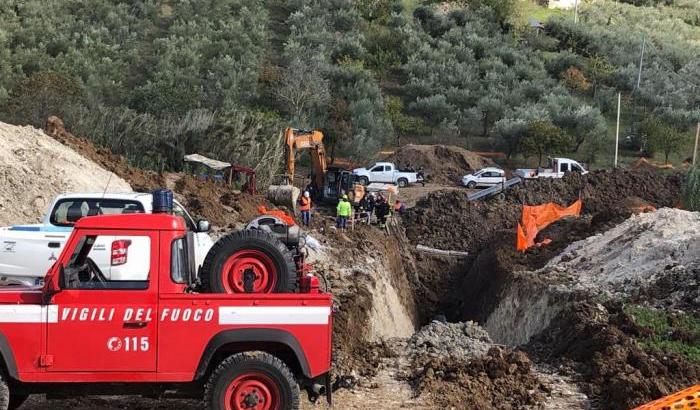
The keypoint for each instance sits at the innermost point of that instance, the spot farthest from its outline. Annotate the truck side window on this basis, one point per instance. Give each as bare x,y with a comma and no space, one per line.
563,167
379,168
576,168
66,212
180,211
110,262
178,261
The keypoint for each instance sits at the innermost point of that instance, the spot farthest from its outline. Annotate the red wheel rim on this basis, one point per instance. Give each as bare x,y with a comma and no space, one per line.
252,260
252,391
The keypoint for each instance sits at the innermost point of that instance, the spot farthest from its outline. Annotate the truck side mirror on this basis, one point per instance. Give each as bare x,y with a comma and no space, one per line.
203,226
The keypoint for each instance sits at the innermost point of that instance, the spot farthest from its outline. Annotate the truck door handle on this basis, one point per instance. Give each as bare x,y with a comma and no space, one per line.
54,245
135,324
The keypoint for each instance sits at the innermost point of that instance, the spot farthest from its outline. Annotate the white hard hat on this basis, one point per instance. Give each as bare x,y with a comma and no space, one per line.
306,194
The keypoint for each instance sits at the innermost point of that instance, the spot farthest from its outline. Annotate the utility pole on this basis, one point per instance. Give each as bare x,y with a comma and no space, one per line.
695,150
575,11
617,130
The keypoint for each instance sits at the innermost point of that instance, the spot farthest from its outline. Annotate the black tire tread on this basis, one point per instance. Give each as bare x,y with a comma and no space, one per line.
16,400
4,393
284,284
238,358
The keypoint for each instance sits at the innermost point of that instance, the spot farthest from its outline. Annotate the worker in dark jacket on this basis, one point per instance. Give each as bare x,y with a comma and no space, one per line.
382,211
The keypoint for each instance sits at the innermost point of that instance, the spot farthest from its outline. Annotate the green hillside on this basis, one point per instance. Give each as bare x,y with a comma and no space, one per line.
155,79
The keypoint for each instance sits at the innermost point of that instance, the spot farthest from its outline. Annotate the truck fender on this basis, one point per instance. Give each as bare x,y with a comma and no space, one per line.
252,335
7,358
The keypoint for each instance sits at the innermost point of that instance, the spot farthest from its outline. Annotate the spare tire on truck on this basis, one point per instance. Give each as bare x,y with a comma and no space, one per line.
249,261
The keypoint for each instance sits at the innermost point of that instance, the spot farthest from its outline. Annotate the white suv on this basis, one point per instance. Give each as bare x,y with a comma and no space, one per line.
484,177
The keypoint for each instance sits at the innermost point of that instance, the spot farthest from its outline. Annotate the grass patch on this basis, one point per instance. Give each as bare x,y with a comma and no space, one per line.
677,333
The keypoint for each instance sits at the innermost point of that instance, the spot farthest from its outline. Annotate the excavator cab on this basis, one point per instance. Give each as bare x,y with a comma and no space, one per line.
338,181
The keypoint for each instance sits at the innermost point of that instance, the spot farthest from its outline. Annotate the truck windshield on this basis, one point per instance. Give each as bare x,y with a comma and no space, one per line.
68,211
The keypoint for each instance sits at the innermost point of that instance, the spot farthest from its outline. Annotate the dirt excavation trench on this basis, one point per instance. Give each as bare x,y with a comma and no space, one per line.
554,327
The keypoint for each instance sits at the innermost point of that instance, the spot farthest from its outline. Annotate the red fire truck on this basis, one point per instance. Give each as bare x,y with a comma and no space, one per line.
153,334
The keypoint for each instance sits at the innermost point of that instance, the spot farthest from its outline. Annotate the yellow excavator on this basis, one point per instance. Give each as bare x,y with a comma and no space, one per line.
326,185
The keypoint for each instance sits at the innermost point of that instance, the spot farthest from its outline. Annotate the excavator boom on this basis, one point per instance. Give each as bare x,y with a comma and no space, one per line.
295,140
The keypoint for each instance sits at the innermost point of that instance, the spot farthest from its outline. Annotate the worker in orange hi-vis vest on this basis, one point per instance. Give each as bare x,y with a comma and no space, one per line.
305,208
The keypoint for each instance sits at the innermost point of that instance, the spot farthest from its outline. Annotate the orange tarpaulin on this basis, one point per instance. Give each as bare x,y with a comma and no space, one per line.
537,217
275,212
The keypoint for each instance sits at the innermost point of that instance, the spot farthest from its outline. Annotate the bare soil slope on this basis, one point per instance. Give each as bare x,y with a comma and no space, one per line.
216,202
34,168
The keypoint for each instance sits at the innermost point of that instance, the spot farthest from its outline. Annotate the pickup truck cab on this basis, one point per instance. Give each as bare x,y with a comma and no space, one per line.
27,251
385,172
558,167
150,333
484,177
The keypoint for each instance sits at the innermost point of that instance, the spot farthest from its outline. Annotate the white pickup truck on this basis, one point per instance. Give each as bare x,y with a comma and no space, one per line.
557,168
385,172
27,251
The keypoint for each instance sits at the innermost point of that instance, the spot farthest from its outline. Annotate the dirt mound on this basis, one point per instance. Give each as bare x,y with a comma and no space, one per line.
614,367
443,164
458,340
636,252
501,379
215,202
447,220
34,168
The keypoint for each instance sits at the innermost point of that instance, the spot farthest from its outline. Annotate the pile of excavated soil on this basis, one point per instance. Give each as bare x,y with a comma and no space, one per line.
596,342
457,340
634,254
213,201
447,220
500,379
34,168
456,365
443,164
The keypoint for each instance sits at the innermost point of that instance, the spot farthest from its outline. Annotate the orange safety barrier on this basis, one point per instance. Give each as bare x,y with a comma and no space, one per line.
537,217
276,212
688,399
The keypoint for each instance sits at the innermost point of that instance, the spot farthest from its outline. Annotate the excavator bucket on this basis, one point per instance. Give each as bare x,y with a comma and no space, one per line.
284,195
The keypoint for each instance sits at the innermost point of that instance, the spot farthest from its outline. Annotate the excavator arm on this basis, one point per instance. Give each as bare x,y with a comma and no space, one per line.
295,140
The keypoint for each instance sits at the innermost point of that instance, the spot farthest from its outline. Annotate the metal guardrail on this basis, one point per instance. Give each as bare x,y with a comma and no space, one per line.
494,190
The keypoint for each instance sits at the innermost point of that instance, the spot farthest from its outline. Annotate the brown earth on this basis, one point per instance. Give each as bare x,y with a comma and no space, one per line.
443,164
503,379
446,220
213,201
613,367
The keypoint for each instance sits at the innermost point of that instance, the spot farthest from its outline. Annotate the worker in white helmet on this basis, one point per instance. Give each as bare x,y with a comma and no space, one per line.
305,208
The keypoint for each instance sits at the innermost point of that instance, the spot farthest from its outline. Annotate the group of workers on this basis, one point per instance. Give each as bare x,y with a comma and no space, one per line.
369,205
